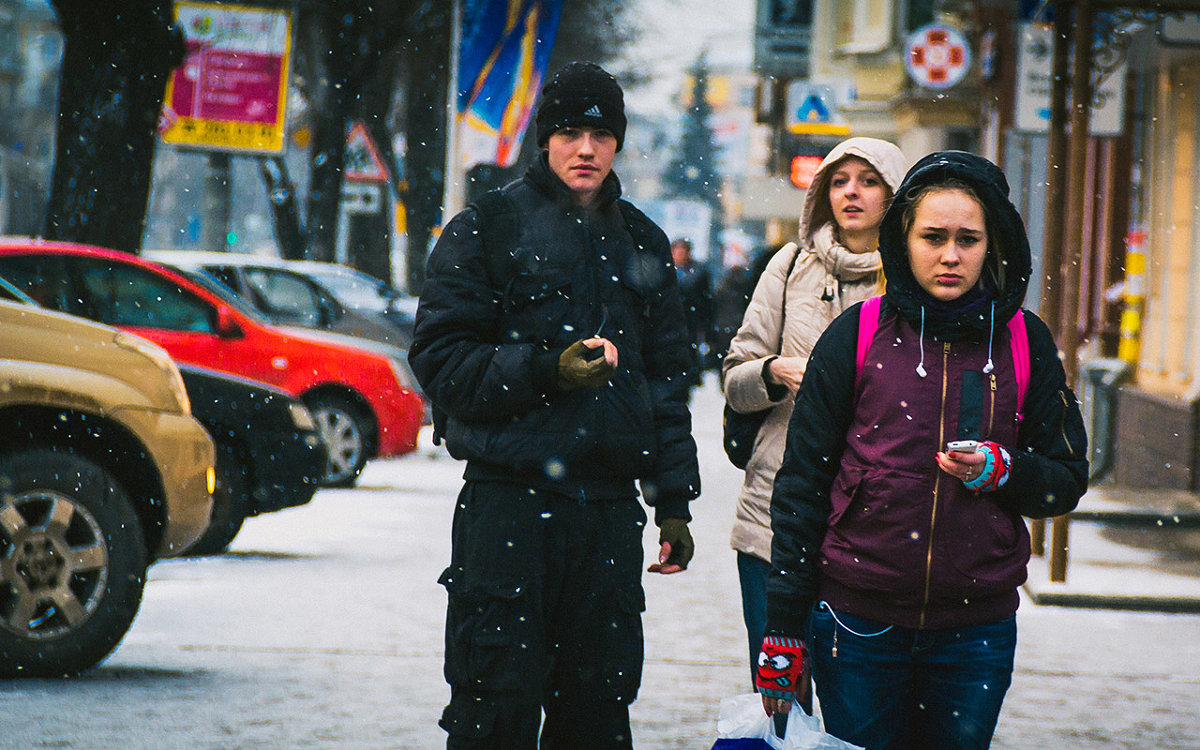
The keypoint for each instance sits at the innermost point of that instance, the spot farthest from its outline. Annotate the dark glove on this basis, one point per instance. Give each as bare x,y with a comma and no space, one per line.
579,367
782,668
674,531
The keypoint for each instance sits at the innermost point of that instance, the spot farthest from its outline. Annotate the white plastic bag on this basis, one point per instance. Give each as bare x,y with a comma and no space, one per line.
742,717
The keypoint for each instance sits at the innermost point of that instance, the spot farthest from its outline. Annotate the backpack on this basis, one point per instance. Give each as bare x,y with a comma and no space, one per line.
499,228
739,431
868,322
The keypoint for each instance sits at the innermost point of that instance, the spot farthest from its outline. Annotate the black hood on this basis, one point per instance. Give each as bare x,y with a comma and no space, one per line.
1006,230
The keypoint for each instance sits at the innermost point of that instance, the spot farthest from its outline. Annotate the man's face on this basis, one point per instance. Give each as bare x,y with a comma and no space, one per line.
681,254
582,157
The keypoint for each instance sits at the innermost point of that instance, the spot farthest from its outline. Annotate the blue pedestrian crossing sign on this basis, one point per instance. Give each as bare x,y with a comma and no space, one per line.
812,109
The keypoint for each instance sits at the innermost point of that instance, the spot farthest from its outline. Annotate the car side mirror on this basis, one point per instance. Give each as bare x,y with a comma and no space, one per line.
227,325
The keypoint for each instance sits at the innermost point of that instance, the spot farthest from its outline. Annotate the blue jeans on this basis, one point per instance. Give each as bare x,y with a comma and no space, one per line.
902,689
752,573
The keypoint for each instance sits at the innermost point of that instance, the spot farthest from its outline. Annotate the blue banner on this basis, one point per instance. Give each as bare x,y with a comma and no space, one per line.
502,60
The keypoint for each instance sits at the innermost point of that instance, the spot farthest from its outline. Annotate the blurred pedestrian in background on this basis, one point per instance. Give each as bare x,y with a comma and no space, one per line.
695,286
730,299
835,266
896,559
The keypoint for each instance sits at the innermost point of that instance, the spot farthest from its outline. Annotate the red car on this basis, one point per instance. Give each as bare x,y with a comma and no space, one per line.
362,395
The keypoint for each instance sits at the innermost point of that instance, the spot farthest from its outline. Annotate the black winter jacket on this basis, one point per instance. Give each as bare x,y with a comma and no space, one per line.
891,494
501,302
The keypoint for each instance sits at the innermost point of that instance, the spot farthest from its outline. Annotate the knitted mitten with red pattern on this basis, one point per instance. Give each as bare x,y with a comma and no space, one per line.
995,468
782,667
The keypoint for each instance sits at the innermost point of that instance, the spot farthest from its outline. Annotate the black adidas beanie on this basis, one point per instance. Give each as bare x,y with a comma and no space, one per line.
581,94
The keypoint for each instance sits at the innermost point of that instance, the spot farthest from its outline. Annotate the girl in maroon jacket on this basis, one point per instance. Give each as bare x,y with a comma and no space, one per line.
897,562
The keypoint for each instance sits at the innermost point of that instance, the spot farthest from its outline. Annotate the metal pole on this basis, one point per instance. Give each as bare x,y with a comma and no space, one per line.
454,199
1081,99
218,201
1056,177
1056,182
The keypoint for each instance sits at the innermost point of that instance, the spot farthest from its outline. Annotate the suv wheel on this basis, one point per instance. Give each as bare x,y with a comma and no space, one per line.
72,564
344,429
230,504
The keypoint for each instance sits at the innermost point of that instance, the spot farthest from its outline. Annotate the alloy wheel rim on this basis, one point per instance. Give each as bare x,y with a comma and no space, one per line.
53,564
342,439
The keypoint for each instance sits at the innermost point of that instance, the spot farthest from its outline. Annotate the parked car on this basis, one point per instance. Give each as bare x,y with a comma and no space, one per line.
103,470
292,293
269,455
12,294
359,392
363,292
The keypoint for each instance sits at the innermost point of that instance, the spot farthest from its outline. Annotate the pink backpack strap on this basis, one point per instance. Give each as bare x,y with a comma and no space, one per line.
868,323
1018,341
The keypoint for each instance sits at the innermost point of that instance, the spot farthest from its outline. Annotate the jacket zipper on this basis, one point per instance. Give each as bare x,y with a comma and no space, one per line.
600,313
1063,397
937,484
992,408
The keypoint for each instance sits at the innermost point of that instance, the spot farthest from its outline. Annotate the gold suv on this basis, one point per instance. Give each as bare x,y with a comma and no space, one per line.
103,470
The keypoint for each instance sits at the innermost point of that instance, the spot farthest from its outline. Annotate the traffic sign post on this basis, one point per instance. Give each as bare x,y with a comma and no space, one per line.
364,205
937,57
363,162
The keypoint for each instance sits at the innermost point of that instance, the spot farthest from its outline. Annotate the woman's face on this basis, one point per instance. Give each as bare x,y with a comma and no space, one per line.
857,195
947,243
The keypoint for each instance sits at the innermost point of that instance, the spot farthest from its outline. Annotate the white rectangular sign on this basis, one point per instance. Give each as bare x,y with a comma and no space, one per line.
1034,68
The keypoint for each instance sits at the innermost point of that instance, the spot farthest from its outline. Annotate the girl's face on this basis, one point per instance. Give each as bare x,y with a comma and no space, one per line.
857,195
947,243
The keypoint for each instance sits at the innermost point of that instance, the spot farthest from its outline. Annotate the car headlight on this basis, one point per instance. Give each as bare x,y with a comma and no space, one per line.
159,356
301,417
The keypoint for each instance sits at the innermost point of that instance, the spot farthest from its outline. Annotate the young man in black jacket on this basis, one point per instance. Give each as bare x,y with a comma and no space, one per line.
552,342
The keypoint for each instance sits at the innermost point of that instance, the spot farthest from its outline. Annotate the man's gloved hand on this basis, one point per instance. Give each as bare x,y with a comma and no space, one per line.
782,674
579,367
675,547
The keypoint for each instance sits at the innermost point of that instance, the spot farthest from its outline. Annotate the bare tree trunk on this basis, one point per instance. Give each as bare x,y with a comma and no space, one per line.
428,74
281,193
113,73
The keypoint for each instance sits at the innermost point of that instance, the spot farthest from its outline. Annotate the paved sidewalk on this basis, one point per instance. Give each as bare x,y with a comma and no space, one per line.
1127,549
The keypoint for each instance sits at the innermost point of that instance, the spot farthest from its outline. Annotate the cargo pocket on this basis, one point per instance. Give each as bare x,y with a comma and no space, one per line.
622,673
467,717
490,644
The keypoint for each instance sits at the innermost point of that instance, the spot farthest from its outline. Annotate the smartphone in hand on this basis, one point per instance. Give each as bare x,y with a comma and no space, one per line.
962,446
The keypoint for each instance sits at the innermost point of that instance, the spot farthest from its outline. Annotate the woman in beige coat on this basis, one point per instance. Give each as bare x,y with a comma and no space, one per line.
835,265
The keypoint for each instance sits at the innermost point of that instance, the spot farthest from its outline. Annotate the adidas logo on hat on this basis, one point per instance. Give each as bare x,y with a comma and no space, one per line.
593,111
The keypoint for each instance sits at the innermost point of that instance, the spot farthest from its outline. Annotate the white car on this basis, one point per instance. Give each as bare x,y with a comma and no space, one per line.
309,294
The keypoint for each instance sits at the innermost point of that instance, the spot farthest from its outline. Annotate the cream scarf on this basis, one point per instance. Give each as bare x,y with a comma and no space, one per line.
841,264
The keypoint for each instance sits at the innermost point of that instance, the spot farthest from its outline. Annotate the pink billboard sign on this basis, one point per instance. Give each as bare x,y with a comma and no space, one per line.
230,91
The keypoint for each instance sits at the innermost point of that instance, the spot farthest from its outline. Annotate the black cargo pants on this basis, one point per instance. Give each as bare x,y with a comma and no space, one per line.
545,603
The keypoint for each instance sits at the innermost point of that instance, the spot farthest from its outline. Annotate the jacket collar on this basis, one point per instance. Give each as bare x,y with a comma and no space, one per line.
543,179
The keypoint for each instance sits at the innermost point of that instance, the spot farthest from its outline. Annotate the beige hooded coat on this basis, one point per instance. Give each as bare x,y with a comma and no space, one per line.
823,268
